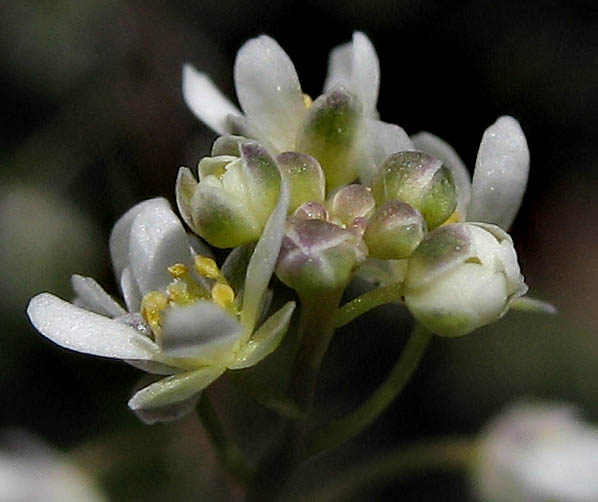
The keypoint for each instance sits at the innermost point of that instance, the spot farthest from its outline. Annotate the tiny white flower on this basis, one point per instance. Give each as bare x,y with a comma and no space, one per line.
30,471
537,453
277,113
183,318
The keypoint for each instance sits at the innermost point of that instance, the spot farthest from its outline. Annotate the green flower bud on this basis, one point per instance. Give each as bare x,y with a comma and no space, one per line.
306,178
350,202
394,231
318,256
461,277
311,211
234,197
329,132
419,180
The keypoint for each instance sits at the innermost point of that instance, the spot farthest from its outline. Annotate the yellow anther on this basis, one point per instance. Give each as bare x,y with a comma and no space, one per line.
307,101
207,267
178,292
178,270
151,305
223,295
453,218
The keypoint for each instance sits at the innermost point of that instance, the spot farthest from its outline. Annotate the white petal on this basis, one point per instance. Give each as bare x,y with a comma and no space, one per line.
154,367
168,413
174,389
264,258
205,100
269,91
500,174
339,67
83,331
185,186
157,241
436,147
130,291
202,331
121,232
94,298
356,67
378,141
265,340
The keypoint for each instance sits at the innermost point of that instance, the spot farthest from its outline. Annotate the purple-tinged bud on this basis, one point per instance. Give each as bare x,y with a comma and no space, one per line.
318,256
350,202
311,211
419,180
394,231
329,133
305,176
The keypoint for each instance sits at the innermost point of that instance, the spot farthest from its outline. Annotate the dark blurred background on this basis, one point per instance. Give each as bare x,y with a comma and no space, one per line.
93,121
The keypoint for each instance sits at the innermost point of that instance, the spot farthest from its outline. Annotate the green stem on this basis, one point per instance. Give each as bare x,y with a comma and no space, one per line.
230,454
343,429
316,330
440,455
368,301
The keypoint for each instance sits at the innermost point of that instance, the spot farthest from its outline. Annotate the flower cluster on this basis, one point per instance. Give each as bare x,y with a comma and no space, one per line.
315,191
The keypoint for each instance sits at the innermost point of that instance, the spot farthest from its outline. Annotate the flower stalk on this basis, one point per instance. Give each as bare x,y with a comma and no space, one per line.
343,429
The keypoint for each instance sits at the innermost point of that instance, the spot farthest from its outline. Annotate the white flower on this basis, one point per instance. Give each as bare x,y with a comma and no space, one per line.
276,112
31,472
537,453
184,319
462,276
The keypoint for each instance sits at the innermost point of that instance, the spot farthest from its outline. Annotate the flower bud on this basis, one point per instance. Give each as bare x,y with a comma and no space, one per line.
329,133
462,276
420,180
306,178
234,197
350,202
311,211
394,231
318,256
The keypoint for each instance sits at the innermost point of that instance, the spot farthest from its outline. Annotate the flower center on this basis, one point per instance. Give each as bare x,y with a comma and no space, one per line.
185,289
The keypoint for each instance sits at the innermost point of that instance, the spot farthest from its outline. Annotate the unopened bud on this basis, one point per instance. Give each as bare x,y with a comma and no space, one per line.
329,133
350,202
318,256
305,176
462,276
234,197
419,180
311,211
394,231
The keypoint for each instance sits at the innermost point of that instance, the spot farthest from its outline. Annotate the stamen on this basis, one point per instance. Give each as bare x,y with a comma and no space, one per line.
151,305
223,295
307,101
207,267
178,270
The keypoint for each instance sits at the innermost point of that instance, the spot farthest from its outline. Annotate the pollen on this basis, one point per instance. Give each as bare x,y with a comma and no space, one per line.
151,305
307,101
207,267
178,270
223,295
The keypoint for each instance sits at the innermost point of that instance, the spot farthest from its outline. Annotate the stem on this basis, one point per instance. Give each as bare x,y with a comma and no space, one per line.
316,329
343,429
444,455
368,301
228,451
